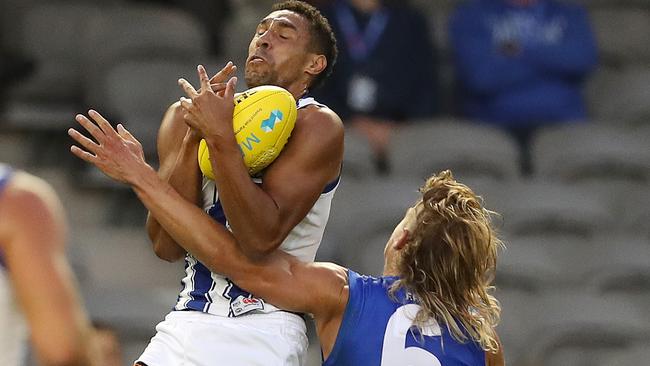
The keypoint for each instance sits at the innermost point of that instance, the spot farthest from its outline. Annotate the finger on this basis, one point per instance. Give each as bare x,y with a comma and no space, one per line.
224,73
82,140
218,87
204,79
187,104
92,128
187,88
190,120
122,131
230,88
102,123
83,155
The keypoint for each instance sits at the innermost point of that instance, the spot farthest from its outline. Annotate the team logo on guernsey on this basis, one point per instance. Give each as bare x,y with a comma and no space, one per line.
241,302
269,124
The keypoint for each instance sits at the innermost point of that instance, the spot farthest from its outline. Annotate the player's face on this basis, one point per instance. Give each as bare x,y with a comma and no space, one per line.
277,55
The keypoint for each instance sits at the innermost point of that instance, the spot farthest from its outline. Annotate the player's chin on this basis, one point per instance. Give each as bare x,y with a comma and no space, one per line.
254,79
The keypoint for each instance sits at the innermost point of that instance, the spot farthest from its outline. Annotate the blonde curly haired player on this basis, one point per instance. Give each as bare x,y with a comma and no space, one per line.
214,321
38,297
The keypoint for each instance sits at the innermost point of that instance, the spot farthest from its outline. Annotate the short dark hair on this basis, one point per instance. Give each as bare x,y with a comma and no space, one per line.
323,39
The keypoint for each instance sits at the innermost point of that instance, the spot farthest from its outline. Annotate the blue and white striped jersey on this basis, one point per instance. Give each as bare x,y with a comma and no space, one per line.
215,294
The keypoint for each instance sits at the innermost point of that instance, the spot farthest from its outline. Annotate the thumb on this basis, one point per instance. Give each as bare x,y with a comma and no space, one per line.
230,88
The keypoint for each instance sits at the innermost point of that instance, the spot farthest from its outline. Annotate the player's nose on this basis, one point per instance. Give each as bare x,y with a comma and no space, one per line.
264,40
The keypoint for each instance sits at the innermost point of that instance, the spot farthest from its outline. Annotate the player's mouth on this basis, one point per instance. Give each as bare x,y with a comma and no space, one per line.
256,59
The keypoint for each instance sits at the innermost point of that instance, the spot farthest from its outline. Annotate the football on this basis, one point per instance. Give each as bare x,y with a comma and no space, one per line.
263,119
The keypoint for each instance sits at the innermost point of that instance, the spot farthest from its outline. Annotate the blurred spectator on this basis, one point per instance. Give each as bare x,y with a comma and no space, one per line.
521,63
108,350
385,71
212,14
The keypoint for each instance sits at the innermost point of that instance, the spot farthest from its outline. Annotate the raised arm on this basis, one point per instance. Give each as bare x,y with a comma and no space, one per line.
260,217
32,236
177,153
279,278
177,149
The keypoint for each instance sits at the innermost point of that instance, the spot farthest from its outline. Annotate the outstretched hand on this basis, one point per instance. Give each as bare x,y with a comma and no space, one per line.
208,112
116,152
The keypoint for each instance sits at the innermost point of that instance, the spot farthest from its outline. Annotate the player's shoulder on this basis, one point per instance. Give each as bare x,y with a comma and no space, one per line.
320,122
27,199
27,190
318,115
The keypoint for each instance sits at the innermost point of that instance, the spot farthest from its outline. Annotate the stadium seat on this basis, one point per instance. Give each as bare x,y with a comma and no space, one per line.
620,33
51,35
570,320
580,152
469,150
514,325
527,266
138,32
549,208
138,93
358,157
638,354
133,292
363,214
619,96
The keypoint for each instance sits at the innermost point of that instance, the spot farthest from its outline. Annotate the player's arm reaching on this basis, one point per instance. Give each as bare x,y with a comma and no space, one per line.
317,288
261,217
177,149
32,235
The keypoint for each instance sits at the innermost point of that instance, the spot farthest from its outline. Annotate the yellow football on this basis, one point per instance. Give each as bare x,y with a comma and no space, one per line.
262,121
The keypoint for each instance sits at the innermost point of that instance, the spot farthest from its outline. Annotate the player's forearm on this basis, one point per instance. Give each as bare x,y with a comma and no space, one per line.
184,177
253,216
190,227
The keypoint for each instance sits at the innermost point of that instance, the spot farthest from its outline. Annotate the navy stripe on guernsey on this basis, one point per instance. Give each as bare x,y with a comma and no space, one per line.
5,175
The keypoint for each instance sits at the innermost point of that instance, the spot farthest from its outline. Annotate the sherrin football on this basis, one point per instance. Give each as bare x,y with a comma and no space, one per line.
263,119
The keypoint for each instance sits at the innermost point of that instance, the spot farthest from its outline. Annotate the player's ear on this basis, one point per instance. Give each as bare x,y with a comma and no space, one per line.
316,64
402,240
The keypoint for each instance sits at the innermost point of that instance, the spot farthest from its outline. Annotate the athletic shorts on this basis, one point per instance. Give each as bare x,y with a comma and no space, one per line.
192,338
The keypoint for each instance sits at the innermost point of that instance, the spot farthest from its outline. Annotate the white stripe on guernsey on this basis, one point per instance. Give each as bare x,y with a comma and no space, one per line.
304,102
188,283
216,291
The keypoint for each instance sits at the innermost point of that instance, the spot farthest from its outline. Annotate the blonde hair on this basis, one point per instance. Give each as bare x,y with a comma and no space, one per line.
449,262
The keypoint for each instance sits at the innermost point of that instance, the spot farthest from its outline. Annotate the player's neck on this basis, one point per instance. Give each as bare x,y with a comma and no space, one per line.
298,90
390,269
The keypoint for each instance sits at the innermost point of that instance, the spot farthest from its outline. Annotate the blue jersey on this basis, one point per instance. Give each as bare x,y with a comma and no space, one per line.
378,331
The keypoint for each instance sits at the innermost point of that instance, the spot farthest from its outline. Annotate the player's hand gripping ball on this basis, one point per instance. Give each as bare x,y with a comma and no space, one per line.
262,121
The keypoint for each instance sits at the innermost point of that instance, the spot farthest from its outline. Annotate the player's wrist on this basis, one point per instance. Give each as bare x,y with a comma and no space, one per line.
144,179
191,138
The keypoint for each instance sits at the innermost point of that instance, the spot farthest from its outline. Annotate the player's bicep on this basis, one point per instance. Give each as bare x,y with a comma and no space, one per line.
171,132
310,161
